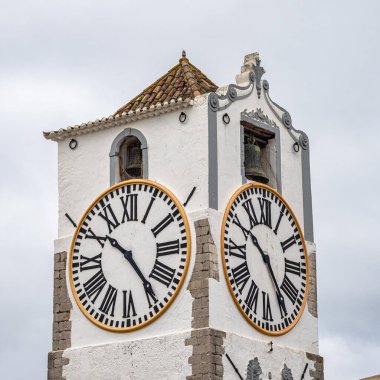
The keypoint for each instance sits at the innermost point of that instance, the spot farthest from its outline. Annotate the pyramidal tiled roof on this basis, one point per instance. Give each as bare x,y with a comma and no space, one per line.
183,81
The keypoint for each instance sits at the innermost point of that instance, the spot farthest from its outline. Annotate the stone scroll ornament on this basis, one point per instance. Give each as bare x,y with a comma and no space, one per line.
302,141
254,370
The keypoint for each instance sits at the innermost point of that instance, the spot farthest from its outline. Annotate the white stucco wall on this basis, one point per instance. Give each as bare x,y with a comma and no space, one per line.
160,358
178,159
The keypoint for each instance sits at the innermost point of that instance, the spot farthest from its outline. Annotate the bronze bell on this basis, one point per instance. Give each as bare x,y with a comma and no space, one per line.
133,165
252,157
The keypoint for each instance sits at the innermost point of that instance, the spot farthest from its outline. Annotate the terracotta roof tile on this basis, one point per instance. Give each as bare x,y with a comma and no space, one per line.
182,81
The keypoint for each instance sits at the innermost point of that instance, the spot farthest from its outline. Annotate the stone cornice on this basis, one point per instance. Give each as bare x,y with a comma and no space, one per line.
112,121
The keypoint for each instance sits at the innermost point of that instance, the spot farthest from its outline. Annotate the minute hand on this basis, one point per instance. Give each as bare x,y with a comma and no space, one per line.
266,259
128,255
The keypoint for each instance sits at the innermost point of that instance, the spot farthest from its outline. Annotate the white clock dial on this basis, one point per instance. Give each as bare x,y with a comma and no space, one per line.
129,255
265,259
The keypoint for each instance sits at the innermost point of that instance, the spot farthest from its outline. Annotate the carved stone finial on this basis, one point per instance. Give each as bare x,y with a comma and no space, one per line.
246,75
259,72
183,54
286,373
254,370
249,60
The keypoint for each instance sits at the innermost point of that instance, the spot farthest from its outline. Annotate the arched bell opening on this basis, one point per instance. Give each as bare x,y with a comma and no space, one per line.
128,156
130,159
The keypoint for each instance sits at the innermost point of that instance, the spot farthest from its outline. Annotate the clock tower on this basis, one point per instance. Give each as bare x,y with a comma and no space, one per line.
185,245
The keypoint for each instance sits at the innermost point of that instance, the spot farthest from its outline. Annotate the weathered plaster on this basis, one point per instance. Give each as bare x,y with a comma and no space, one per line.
160,358
242,349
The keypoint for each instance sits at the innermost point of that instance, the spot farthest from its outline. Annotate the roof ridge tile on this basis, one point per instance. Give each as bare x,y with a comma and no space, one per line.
184,80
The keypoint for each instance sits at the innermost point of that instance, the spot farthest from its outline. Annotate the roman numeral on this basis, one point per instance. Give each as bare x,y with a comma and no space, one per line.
128,305
148,209
236,221
168,248
248,206
91,235
95,285
90,262
162,273
252,296
109,216
163,224
150,297
237,250
281,303
278,222
241,275
129,207
292,267
289,289
288,243
109,301
267,312
266,212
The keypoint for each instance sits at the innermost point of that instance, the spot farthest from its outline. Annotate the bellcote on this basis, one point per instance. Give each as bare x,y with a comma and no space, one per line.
195,134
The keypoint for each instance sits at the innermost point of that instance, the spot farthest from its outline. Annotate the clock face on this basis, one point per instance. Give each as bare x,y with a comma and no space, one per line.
265,259
129,255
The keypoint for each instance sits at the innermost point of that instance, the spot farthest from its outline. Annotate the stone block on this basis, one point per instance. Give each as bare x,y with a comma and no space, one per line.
219,371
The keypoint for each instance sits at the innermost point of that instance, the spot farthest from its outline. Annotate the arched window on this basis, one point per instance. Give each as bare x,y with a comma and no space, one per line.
128,156
130,159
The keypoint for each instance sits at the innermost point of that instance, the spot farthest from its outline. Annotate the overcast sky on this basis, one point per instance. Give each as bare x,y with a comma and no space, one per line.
68,62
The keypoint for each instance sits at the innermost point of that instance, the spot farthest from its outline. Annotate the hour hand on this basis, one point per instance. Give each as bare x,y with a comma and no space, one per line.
266,258
116,244
257,245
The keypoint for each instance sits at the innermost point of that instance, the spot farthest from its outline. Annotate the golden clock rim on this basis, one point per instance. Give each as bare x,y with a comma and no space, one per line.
186,265
227,209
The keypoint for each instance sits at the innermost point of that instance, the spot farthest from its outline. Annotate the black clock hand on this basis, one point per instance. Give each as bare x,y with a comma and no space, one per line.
266,259
128,255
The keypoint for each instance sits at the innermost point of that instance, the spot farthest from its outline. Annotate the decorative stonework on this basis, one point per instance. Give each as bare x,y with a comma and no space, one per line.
312,303
206,360
254,370
61,321
317,372
259,115
301,140
286,373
